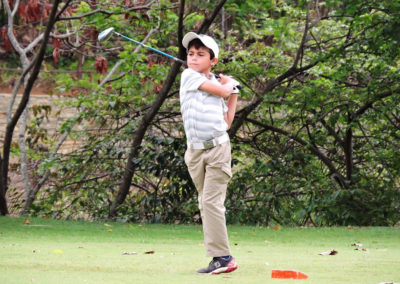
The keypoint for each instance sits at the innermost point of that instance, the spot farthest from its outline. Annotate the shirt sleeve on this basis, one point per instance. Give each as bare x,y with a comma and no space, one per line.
191,80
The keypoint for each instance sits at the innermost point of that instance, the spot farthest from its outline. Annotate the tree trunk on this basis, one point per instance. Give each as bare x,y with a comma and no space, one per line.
148,117
36,64
3,200
348,151
139,135
80,62
22,149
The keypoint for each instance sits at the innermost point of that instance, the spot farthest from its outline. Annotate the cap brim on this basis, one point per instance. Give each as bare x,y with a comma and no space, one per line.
188,38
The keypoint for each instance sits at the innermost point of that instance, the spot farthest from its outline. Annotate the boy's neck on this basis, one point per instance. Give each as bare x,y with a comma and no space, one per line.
207,73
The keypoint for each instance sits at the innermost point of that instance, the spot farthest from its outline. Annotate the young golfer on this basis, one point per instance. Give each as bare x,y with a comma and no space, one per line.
206,118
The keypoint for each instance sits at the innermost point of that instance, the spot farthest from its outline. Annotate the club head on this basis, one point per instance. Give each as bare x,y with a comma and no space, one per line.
105,35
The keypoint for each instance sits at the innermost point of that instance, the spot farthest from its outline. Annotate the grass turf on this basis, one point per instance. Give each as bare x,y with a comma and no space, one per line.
53,251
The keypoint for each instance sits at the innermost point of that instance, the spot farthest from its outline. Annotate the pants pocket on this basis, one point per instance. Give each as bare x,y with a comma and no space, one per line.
227,170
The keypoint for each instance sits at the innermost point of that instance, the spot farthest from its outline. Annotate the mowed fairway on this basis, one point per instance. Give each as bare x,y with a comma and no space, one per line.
52,251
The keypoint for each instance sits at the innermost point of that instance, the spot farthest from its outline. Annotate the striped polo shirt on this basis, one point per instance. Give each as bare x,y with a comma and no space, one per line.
202,113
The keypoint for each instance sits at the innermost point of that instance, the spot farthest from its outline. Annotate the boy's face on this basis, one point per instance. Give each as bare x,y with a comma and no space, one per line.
199,59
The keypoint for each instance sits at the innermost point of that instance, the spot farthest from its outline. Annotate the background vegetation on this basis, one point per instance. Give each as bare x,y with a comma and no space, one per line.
315,140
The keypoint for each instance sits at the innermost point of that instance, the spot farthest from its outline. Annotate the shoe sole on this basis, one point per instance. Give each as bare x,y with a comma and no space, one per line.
223,270
229,268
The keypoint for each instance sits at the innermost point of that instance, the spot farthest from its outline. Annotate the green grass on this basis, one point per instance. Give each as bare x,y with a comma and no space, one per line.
51,251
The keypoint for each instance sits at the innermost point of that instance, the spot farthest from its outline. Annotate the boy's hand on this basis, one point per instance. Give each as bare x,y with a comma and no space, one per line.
227,79
224,79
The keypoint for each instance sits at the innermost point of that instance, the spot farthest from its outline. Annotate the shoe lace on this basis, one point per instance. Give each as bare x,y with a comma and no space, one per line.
213,261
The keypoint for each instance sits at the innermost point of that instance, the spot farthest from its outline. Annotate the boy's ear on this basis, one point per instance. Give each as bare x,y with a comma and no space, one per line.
214,61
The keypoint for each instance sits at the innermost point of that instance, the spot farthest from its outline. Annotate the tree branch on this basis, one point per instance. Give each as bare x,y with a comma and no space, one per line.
303,40
208,21
370,103
32,194
106,12
119,63
302,142
10,30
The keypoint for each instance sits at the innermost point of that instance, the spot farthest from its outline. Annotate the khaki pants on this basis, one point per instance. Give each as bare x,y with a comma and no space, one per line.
210,171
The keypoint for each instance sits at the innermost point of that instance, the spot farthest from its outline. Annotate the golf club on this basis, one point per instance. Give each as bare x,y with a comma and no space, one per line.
107,33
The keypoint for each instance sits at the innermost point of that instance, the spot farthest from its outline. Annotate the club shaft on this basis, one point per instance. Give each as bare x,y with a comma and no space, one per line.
151,48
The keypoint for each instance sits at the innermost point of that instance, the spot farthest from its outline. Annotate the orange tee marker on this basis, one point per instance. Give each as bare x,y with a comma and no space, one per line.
288,274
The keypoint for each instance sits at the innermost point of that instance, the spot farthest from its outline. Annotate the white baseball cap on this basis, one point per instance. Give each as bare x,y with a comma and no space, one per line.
205,39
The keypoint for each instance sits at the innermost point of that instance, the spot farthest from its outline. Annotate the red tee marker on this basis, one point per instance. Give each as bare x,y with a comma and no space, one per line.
288,274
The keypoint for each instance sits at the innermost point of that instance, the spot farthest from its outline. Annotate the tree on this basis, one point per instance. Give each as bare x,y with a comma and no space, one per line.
329,111
315,141
29,79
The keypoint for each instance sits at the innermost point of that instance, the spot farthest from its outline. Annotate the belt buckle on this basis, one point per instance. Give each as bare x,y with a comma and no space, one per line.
208,144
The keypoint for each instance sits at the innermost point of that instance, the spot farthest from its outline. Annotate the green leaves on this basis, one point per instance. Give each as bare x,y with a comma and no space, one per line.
192,19
317,141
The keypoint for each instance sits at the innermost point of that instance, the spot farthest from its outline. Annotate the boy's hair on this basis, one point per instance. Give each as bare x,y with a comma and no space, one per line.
197,44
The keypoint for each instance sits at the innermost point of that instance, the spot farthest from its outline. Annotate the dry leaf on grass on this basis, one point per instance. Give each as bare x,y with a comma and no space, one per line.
150,252
361,249
129,253
331,252
357,245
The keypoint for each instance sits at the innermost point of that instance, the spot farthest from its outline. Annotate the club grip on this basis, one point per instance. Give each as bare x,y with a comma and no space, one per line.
236,85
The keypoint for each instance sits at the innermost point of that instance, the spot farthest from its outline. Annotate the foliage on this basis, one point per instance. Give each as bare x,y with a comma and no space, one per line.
336,111
171,198
315,140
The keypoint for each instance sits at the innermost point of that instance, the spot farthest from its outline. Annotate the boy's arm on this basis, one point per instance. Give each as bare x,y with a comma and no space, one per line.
223,90
231,104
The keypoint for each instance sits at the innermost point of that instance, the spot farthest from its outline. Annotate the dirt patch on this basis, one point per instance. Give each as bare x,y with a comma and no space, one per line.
43,88
40,87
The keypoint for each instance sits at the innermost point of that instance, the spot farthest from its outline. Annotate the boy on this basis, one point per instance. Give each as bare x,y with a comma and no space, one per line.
206,119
